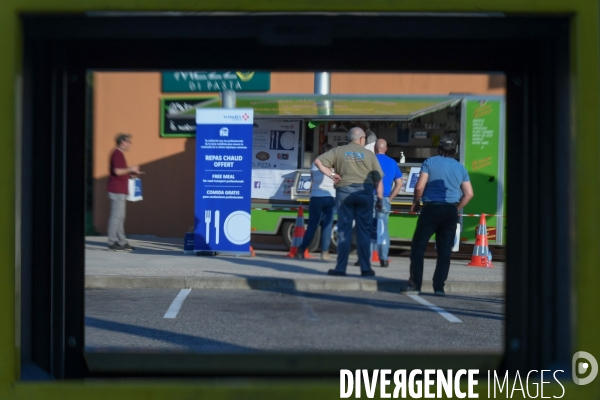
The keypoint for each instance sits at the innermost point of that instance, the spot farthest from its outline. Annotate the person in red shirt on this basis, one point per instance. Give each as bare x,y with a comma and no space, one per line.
117,187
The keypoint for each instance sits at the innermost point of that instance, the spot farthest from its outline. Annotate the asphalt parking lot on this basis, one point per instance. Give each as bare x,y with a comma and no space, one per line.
242,321
158,298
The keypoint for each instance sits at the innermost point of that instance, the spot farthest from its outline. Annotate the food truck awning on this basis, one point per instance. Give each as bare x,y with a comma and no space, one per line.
334,107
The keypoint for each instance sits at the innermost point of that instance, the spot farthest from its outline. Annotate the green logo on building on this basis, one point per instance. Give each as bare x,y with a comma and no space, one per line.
215,81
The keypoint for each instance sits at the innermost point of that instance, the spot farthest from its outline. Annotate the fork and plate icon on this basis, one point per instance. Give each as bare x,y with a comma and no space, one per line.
236,226
274,140
282,140
207,220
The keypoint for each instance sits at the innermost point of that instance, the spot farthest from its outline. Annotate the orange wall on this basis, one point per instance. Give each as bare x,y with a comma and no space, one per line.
394,83
292,82
129,102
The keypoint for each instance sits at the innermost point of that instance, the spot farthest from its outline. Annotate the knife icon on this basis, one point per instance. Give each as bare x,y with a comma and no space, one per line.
217,215
276,140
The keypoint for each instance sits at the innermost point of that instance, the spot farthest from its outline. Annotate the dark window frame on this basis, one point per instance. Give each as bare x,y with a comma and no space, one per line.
533,52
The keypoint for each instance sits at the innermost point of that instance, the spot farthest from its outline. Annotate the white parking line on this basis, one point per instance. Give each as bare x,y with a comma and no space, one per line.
308,310
176,304
435,308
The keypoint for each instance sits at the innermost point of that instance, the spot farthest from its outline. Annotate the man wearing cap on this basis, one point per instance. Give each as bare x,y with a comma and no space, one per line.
445,187
357,174
118,186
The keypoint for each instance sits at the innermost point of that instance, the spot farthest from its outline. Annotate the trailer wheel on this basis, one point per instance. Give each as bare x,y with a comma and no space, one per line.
287,234
333,245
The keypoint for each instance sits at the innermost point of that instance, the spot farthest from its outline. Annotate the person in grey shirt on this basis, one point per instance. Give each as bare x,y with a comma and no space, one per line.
371,139
357,174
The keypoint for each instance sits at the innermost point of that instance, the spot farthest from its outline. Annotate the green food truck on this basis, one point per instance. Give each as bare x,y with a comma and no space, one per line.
290,129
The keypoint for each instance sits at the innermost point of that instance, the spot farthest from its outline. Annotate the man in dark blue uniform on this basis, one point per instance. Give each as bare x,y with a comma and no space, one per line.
445,187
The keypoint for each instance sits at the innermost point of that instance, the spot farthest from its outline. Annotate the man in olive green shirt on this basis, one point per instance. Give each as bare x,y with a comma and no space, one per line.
357,174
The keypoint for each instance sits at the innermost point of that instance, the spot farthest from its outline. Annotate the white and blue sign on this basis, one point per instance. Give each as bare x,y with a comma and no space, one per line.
223,179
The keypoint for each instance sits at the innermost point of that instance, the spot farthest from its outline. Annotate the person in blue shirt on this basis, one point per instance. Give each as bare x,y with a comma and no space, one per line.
392,182
445,187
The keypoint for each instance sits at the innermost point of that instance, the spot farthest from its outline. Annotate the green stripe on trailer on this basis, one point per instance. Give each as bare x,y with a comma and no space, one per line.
267,221
482,118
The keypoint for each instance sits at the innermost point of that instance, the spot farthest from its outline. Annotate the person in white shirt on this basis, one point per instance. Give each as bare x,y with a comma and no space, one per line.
320,208
371,139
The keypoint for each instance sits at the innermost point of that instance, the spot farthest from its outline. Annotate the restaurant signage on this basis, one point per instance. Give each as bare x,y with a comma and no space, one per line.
215,81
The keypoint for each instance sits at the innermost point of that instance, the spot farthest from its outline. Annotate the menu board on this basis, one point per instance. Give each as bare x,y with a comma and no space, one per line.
272,184
304,183
413,177
274,158
410,176
275,144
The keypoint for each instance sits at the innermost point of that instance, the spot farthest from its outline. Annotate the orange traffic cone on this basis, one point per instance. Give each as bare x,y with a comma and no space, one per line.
298,235
252,253
375,254
481,249
377,230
